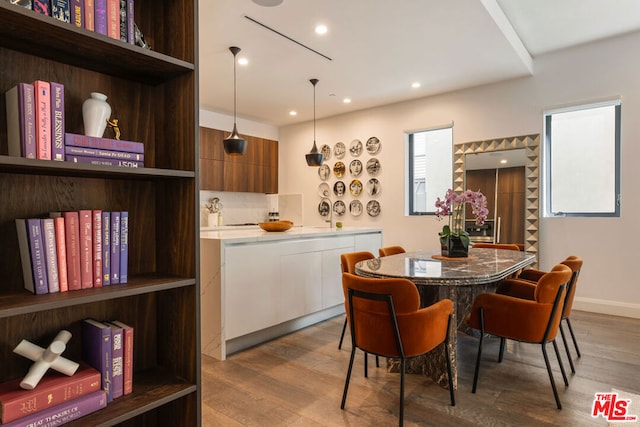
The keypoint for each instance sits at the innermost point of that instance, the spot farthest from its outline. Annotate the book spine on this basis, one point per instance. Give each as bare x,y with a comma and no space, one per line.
14,106
61,251
127,332
30,148
86,249
107,154
131,32
42,6
24,3
101,161
58,124
25,257
123,20
51,255
97,248
72,239
103,143
96,351
42,91
77,13
100,11
106,248
124,246
117,362
89,15
60,10
115,248
16,403
65,412
38,263
113,19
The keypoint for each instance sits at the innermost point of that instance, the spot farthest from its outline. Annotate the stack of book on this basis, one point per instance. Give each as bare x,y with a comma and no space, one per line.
74,250
113,18
103,151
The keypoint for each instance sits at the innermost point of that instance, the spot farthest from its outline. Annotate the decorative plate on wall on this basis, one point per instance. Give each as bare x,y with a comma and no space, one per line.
373,187
324,190
339,169
324,172
339,208
339,150
373,166
355,208
355,148
373,145
373,208
339,188
355,168
355,187
324,207
326,151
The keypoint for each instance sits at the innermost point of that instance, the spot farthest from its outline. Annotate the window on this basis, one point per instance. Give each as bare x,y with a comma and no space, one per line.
582,161
430,168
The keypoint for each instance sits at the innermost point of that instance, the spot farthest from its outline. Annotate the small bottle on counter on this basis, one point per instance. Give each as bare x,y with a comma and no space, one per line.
220,222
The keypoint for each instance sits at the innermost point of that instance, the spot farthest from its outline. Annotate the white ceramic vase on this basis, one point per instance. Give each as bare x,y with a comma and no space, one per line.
95,113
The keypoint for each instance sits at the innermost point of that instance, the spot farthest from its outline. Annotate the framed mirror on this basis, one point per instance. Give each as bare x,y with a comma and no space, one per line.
531,145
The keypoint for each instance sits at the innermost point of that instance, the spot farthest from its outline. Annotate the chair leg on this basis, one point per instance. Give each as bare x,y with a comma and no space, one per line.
449,370
477,370
377,361
564,374
344,329
502,345
566,347
402,368
366,364
553,383
346,382
575,343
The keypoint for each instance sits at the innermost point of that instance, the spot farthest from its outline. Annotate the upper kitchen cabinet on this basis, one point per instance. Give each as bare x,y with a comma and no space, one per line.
254,172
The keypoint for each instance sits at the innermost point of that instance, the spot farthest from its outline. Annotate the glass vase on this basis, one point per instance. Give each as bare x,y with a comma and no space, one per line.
452,247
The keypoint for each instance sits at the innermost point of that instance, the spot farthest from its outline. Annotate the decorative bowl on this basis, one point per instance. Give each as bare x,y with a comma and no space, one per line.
282,225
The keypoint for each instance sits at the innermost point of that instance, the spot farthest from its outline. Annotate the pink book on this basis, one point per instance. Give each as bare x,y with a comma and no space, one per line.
72,238
89,17
86,249
42,91
97,248
113,19
62,253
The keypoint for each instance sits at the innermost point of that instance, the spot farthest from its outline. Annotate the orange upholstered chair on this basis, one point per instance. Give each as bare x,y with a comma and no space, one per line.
532,321
509,246
391,250
386,320
524,287
348,263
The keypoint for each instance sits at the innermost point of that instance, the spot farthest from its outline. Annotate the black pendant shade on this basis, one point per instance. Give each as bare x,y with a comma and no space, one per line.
314,158
234,145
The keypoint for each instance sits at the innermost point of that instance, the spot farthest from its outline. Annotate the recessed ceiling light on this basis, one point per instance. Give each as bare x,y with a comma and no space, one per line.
243,61
293,113
268,3
503,161
321,29
347,100
415,85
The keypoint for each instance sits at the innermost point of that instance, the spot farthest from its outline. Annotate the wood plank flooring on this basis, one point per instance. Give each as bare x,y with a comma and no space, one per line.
297,380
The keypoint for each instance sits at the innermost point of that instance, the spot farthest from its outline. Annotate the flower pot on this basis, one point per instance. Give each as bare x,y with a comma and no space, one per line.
452,247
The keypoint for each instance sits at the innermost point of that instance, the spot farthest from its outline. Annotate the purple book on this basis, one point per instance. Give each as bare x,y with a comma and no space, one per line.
38,262
115,248
131,32
64,412
103,143
42,6
117,357
21,131
106,248
100,11
57,121
60,10
97,351
77,13
98,152
104,162
124,246
51,254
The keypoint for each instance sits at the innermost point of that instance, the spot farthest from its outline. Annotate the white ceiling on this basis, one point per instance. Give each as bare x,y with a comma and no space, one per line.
379,47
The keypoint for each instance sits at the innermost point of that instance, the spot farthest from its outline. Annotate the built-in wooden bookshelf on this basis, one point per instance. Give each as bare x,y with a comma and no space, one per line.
153,94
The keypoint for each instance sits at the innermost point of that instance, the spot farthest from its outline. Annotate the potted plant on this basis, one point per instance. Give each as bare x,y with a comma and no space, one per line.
454,240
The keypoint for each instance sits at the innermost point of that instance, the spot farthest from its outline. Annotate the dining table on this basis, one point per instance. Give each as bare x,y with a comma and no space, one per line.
438,277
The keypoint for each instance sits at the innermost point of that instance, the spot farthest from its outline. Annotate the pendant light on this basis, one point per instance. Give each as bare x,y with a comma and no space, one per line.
314,158
234,145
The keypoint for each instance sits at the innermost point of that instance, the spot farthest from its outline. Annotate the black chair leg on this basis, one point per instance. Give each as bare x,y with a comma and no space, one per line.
377,361
401,417
366,364
477,370
346,382
449,370
575,343
344,329
566,348
502,345
553,383
564,374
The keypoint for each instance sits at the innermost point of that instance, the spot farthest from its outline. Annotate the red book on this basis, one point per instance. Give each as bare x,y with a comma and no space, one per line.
72,238
57,121
89,16
127,331
42,92
85,221
113,19
61,250
53,389
97,248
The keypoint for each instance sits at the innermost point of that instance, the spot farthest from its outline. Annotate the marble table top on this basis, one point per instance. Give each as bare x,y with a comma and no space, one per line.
483,266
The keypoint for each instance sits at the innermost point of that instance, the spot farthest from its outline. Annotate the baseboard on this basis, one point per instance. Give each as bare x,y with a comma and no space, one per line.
613,308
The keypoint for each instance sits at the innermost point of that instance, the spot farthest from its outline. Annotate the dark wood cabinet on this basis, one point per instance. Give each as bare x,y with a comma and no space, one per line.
153,94
256,171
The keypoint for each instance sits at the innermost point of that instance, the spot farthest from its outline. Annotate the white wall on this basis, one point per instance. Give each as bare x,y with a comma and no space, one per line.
588,73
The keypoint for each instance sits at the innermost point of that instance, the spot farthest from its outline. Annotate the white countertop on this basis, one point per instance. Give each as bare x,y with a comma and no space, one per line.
255,234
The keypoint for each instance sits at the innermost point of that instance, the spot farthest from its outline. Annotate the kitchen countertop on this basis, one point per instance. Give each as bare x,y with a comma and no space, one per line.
255,234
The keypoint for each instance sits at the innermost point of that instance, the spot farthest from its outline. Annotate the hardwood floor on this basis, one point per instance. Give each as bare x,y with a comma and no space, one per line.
297,380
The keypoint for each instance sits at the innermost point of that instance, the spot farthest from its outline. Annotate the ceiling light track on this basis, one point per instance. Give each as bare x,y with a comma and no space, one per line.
287,37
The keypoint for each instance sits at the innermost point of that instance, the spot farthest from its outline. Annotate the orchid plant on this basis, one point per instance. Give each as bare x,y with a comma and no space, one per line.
453,207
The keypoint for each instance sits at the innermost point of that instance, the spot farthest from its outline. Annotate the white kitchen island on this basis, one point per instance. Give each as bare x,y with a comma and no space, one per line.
258,285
